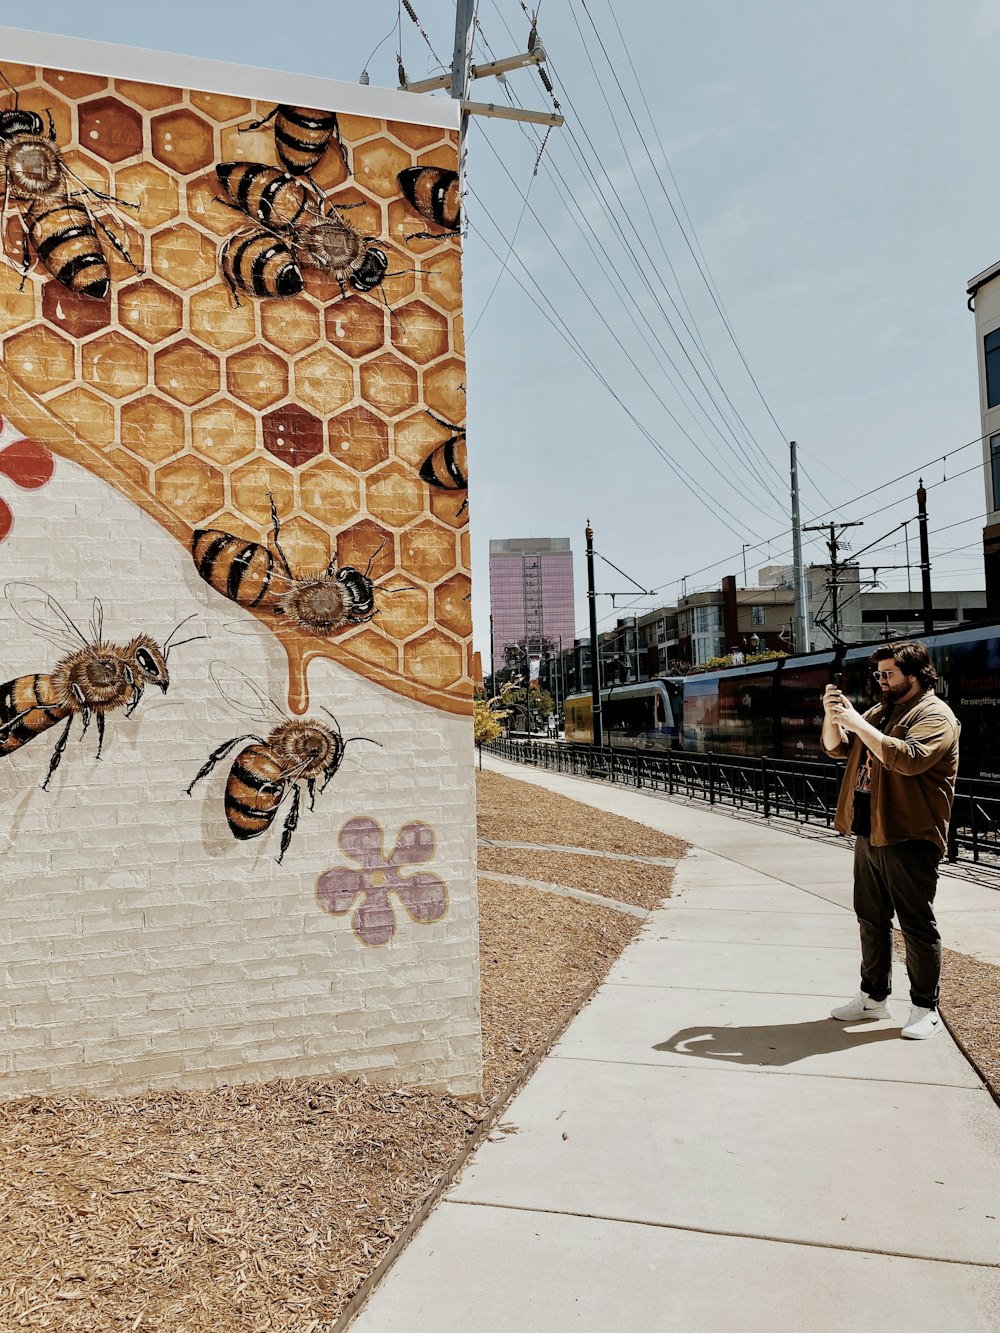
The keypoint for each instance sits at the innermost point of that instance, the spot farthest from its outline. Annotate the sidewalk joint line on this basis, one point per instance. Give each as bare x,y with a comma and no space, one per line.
735,1235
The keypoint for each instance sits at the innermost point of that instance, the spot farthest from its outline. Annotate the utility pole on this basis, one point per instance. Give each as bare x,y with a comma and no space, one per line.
925,557
832,546
800,633
595,651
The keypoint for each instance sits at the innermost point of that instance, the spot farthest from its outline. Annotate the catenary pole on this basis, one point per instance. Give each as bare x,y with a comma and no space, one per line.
595,651
925,558
801,632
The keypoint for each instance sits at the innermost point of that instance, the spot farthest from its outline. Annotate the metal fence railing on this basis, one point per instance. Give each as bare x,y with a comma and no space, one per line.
802,790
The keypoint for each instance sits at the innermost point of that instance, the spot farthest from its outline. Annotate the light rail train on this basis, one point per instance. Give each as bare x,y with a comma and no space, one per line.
773,708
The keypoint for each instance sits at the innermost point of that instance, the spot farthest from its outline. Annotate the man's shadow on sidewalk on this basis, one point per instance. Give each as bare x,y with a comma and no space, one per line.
774,1043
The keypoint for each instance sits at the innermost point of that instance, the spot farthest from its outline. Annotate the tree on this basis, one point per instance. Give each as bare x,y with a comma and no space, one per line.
487,716
539,703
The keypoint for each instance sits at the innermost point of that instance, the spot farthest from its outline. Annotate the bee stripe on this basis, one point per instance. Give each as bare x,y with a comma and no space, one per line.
34,702
446,466
67,245
239,569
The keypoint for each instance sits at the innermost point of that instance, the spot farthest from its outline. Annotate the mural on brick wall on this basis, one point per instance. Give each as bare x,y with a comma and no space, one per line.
241,319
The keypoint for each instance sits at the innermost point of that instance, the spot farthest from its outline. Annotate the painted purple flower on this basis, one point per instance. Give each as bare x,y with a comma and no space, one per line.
424,895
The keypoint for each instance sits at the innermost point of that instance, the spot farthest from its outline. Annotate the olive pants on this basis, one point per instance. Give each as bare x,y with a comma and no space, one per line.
900,879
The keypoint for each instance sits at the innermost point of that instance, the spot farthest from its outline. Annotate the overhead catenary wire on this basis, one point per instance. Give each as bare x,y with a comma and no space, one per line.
643,271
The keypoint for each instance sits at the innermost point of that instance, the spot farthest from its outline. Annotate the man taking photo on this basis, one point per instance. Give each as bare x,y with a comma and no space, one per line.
896,798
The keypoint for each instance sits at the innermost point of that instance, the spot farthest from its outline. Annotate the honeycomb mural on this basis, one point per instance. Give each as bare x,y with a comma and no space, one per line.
202,400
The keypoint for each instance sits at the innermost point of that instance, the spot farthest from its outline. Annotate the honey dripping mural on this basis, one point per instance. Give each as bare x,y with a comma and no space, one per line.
234,572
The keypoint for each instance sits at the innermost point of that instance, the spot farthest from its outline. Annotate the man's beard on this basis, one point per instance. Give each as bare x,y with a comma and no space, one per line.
893,693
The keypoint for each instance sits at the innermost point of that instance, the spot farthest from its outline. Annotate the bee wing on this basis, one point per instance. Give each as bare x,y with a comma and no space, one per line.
44,614
97,622
241,693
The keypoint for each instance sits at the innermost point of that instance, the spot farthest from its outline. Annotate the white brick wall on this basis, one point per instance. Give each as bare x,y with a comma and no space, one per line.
140,944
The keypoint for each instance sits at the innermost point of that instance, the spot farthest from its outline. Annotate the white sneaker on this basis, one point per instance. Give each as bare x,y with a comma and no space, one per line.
922,1023
863,1006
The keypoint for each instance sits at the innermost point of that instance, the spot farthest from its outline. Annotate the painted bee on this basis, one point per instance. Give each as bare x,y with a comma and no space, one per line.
263,774
92,679
433,192
291,232
249,574
446,466
302,134
54,215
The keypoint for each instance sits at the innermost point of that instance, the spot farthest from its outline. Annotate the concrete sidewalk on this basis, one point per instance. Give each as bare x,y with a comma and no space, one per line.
705,1150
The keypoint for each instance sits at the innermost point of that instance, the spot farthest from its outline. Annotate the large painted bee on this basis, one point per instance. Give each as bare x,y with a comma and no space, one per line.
446,466
93,678
291,231
263,774
433,192
54,213
302,134
251,575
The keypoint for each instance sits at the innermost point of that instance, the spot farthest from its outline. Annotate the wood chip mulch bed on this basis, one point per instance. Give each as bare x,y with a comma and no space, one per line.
262,1208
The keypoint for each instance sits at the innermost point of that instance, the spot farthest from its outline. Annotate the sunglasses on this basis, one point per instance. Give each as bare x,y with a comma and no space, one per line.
883,675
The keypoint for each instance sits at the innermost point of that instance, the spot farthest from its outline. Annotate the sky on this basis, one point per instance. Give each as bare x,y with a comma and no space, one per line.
797,190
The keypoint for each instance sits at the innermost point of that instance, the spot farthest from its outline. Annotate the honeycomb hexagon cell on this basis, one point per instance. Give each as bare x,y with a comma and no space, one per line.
192,488
305,545
86,414
218,321
152,428
406,228
152,190
420,332
223,432
150,311
40,357
402,613
183,256
150,96
115,365
74,314
449,507
186,372
110,128
389,384
417,437
433,659
371,646
183,141
356,327
17,301
363,214
205,207
444,155
444,389
443,280
219,107
94,174
427,551
413,136
353,128
452,605
377,164
324,380
240,143
293,435
257,377
291,325
329,493
73,84
236,526
366,544
359,438
252,485
395,495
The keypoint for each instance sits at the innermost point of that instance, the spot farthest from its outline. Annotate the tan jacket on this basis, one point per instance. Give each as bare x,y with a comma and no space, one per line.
914,786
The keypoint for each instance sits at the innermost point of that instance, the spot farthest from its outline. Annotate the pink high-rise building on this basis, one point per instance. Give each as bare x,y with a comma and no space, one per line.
531,595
